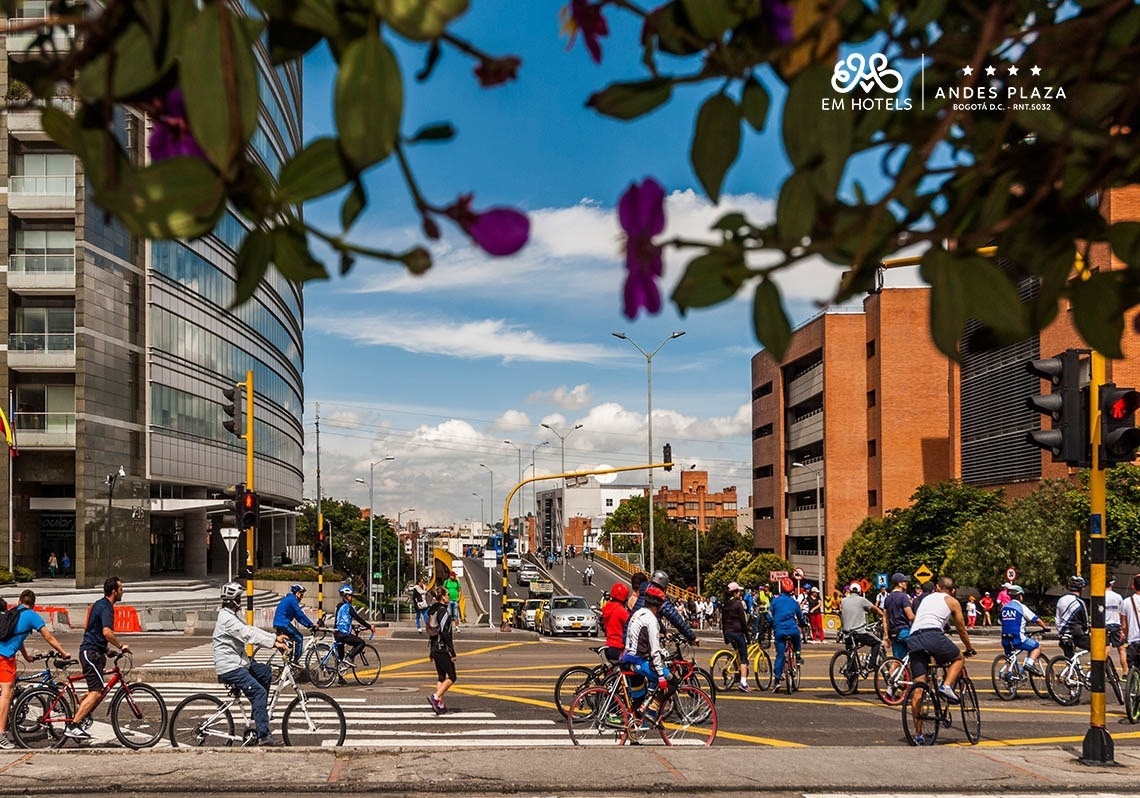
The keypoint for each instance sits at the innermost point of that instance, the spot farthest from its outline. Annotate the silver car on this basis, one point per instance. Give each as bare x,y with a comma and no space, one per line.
571,615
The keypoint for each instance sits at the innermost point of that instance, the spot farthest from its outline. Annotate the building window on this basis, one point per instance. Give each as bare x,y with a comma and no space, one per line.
730,506
872,498
763,472
870,398
710,506
763,513
763,390
691,506
872,448
609,502
871,349
762,432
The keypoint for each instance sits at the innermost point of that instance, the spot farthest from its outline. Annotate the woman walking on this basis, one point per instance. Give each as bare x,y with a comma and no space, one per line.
441,648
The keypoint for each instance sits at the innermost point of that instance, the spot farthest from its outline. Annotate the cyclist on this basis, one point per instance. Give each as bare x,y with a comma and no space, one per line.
233,665
761,618
1130,624
927,640
899,615
643,649
787,618
734,626
1112,632
615,617
27,621
99,633
1013,618
853,618
289,610
1073,618
346,614
667,611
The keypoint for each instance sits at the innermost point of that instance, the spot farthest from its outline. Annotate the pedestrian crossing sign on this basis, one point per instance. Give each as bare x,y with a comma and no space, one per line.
881,580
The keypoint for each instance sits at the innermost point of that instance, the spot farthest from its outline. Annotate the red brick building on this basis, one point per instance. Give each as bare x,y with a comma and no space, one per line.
693,504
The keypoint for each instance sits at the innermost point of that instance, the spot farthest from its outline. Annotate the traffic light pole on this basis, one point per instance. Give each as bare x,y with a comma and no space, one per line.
250,532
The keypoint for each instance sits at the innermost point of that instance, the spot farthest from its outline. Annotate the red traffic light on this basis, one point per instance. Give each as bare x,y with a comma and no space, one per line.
1124,405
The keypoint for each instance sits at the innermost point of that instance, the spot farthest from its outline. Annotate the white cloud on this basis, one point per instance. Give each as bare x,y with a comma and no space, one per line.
567,398
513,420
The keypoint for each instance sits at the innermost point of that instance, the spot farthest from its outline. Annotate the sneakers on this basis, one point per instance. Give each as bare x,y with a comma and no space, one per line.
779,686
947,692
5,743
269,741
436,705
743,687
919,739
1034,668
76,733
799,659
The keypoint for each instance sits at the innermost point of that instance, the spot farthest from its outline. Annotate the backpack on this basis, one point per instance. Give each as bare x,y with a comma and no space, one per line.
8,621
438,621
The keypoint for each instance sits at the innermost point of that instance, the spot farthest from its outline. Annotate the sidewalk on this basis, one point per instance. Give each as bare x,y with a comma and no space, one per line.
595,771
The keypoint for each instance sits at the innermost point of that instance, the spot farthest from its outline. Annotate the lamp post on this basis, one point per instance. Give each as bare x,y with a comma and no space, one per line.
649,421
112,478
818,526
492,496
399,555
371,517
534,485
481,516
562,510
518,499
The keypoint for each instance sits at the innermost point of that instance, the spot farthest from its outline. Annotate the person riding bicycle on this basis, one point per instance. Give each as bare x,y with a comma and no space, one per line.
1073,619
643,651
787,618
761,617
927,640
899,615
234,667
1130,624
853,617
289,610
667,611
346,615
1013,618
734,626
615,618
100,632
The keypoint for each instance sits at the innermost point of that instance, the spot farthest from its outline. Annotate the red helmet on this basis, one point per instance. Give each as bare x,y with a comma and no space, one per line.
654,596
786,585
619,592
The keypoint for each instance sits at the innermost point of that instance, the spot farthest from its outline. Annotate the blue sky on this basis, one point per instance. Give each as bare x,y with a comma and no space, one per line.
437,371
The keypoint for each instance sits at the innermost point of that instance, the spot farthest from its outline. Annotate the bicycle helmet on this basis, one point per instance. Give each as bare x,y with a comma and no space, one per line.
654,596
619,592
1016,589
231,592
297,588
786,585
1077,582
660,578
345,590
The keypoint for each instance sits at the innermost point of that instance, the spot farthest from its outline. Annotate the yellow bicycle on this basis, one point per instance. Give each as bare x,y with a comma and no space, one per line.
725,666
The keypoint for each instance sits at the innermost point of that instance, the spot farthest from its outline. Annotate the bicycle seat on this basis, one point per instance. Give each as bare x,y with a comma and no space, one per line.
598,649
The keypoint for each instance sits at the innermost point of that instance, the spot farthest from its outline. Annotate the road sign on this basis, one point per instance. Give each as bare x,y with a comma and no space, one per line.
798,573
776,576
923,574
230,535
882,580
865,585
1011,574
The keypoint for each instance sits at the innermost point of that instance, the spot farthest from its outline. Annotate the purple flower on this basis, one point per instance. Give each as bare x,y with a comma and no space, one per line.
641,212
171,137
587,18
779,15
498,231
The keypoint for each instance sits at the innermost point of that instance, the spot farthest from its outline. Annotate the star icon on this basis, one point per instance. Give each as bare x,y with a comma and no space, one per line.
1012,70
1035,71
968,71
991,71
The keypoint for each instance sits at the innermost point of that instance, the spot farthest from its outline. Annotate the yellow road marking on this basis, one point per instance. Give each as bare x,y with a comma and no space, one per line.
1051,740
424,660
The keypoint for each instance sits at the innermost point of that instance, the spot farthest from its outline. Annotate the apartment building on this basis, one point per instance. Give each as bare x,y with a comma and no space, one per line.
588,504
694,505
116,351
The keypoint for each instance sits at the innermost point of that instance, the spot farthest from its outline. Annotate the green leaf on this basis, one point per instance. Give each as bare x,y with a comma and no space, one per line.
754,102
131,65
773,330
1098,312
711,278
730,222
631,100
287,42
175,198
353,204
420,20
316,170
716,143
221,125
441,131
795,209
369,101
252,262
711,18
802,127
1125,240
347,261
292,257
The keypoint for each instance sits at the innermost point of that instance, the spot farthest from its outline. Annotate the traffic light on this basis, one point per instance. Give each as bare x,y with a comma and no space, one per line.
233,395
667,457
1067,405
250,509
233,495
1119,437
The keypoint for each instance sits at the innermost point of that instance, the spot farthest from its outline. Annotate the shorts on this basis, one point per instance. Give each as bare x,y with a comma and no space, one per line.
8,670
739,642
444,665
93,663
1134,655
1113,636
1070,642
1008,645
927,644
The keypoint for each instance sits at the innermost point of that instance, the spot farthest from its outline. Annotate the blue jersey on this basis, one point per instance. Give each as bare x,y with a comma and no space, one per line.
289,610
787,616
27,622
1013,618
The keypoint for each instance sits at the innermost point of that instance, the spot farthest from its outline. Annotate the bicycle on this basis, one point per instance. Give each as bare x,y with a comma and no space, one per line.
609,713
203,719
762,627
1066,677
793,668
892,678
1132,695
848,666
326,662
925,710
1008,672
725,665
138,713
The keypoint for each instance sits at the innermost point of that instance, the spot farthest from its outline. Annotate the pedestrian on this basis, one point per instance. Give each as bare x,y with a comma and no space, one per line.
899,615
815,614
441,647
734,627
881,599
28,621
589,574
100,633
1003,595
453,591
987,604
66,563
420,600
971,613
53,564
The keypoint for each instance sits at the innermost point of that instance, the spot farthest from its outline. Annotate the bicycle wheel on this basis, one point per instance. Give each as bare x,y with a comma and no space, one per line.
38,717
921,713
761,671
138,715
201,720
725,667
691,718
702,680
1112,679
1040,689
1132,696
1062,681
765,636
892,678
569,683
1005,680
321,665
313,719
971,715
366,666
844,672
596,717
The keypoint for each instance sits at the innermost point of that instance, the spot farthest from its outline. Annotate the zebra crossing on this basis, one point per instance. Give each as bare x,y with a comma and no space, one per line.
199,656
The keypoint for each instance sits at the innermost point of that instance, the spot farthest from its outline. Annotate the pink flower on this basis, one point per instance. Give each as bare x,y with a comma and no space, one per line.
496,71
587,18
498,231
641,212
171,137
779,15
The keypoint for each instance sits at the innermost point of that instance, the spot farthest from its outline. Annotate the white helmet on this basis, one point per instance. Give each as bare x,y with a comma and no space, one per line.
231,592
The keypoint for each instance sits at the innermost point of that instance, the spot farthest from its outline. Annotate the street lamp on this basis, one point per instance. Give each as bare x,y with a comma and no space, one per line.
649,421
399,555
534,485
111,480
481,516
518,499
371,517
818,526
492,498
562,509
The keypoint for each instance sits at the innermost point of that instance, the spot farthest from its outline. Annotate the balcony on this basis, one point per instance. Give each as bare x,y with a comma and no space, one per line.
41,273
802,523
806,430
24,120
806,385
23,32
41,351
44,430
803,479
37,197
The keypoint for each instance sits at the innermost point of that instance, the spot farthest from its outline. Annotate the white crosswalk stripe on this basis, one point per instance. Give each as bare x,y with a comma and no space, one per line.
200,656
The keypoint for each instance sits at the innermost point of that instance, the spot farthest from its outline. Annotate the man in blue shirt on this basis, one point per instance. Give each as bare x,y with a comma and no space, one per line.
288,610
27,622
346,614
787,618
99,633
1013,618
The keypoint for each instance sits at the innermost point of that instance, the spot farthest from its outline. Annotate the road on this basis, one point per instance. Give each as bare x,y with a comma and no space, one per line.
604,577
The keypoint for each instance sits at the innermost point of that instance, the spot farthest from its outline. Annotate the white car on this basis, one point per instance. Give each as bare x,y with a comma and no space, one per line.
527,574
514,561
